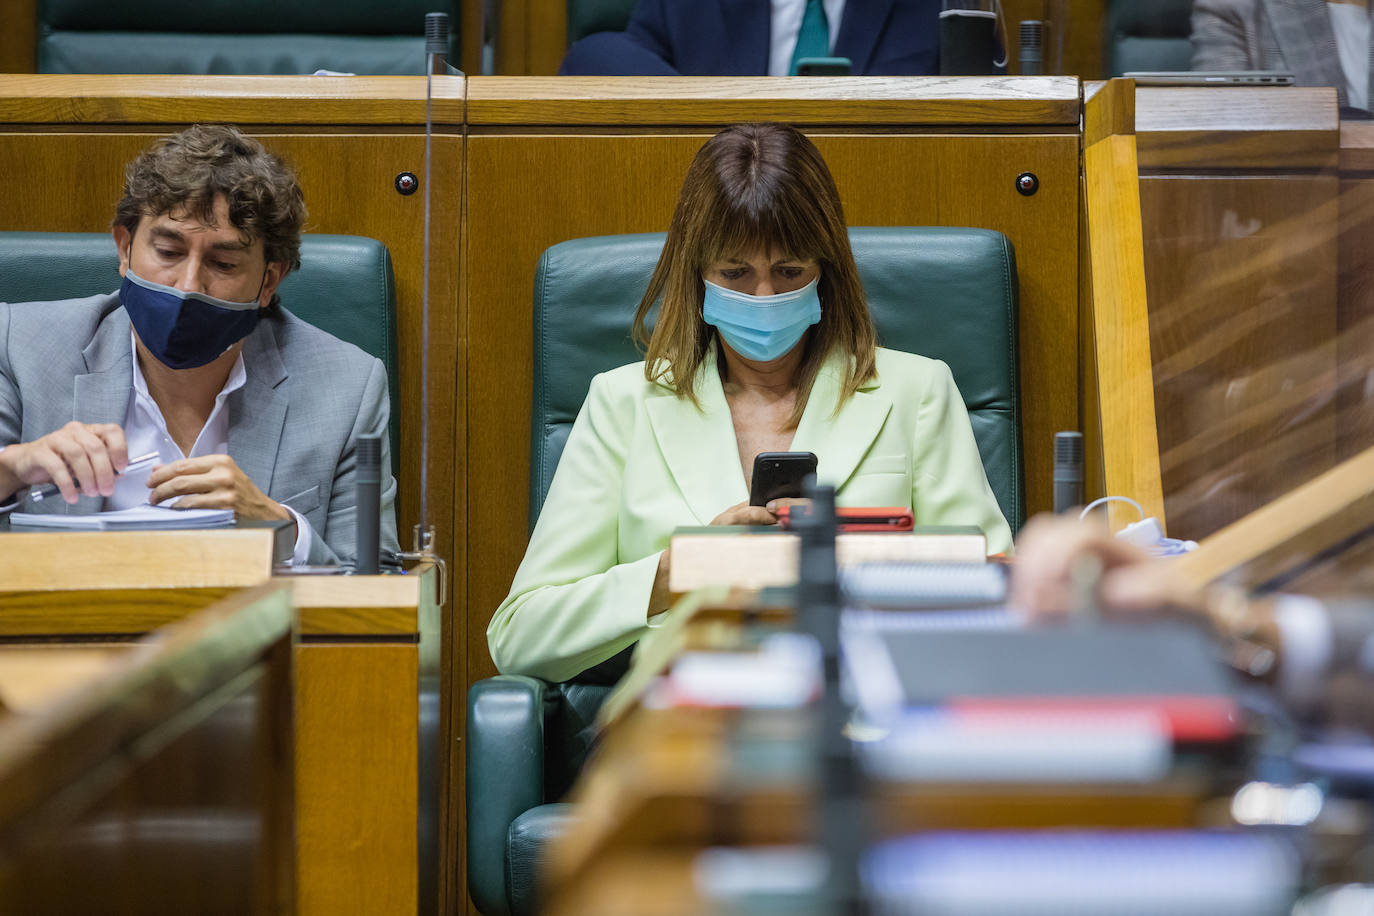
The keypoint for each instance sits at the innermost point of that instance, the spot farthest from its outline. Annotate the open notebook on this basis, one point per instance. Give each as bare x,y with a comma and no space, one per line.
138,517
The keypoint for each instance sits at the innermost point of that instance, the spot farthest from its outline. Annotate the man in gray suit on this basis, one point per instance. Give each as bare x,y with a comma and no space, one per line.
246,406
1321,42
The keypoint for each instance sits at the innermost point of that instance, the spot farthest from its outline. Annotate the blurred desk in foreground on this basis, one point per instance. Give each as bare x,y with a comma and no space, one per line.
366,687
682,773
154,778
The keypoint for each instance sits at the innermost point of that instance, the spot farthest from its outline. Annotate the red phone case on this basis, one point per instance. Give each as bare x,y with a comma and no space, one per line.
862,518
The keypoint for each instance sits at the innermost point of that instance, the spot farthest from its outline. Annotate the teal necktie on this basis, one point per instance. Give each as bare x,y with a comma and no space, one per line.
814,38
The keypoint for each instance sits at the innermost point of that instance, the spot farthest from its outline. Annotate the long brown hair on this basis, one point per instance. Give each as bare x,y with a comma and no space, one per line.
755,187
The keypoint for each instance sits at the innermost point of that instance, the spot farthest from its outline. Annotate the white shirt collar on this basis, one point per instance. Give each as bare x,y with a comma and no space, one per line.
237,375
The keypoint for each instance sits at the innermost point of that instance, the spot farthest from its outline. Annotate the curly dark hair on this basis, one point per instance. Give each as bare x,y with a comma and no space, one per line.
187,171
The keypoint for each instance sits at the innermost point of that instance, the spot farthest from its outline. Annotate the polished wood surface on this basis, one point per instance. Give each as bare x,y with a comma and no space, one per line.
19,37
578,184
1255,377
683,100
117,612
1355,315
362,605
1242,275
1108,110
89,99
1330,512
47,561
356,778
165,784
33,676
1237,128
1121,450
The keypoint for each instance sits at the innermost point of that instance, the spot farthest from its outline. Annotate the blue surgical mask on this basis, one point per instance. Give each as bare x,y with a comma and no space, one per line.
761,327
184,330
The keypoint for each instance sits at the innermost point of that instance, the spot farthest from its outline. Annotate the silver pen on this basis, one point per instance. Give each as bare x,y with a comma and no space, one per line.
142,462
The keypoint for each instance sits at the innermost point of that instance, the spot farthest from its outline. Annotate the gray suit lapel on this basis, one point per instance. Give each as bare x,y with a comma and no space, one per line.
257,411
1302,29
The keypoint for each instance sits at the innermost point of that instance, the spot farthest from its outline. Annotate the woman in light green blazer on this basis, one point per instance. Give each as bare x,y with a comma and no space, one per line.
761,308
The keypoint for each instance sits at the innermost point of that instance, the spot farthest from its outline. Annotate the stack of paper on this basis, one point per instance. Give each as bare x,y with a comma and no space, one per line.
138,517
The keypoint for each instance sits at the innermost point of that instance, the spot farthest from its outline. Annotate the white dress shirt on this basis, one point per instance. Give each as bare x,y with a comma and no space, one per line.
786,25
1350,23
145,430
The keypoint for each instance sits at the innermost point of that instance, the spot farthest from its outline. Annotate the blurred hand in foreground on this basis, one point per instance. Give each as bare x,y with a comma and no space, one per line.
1048,550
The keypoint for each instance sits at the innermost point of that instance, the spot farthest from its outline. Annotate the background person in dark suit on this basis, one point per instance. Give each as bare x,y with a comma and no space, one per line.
761,38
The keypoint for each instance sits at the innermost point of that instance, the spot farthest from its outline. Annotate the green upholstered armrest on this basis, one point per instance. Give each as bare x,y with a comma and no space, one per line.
504,777
344,286
944,292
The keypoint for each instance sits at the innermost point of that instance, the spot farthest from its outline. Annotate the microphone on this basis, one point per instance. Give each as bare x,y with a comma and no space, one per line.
436,41
1068,471
369,505
1032,47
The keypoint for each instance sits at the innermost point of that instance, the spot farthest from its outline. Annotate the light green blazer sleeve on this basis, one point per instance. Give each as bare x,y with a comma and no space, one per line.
573,602
949,484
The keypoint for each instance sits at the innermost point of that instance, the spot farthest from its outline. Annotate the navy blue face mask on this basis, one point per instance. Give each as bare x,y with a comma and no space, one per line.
184,330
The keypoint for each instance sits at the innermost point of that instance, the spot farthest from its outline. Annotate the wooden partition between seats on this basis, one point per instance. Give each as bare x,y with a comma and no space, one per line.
1241,209
556,159
1121,450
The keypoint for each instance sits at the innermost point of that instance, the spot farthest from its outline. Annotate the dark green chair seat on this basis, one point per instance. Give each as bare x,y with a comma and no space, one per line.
946,293
1149,36
249,37
344,286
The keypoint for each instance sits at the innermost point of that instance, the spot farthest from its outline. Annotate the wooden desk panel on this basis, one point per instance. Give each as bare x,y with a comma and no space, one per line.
1241,275
1237,128
1355,312
963,101
570,186
356,778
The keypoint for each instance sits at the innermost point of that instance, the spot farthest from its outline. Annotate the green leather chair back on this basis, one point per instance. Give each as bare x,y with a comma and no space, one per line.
344,286
946,293
247,37
588,16
1150,36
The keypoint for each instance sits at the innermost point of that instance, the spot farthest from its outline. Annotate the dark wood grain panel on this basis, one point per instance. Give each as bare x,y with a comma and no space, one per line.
1242,279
